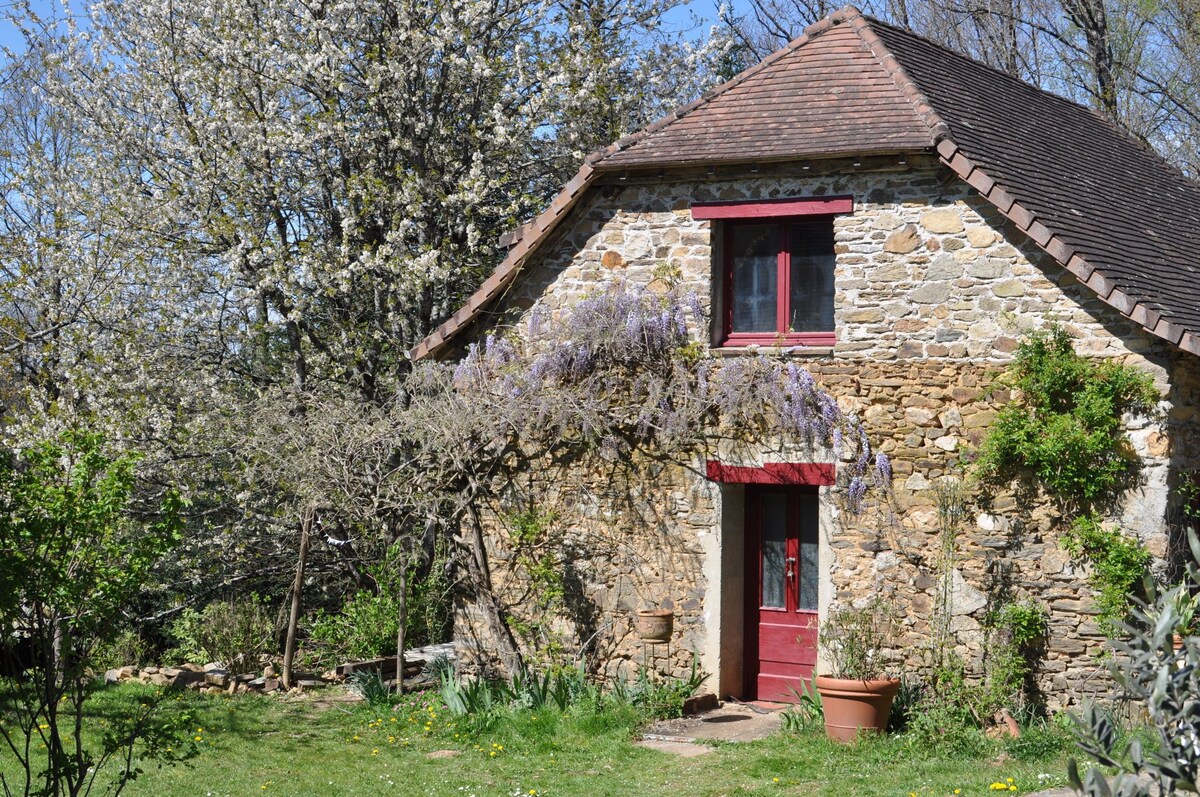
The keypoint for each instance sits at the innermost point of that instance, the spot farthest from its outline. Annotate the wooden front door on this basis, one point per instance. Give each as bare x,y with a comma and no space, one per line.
782,576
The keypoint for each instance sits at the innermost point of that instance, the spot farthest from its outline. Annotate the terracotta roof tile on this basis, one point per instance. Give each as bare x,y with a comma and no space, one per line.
825,94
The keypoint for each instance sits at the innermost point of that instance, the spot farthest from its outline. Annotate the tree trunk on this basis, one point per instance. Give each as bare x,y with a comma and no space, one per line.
402,616
506,644
289,647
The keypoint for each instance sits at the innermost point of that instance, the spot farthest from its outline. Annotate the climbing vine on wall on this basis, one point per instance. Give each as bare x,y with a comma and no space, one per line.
1063,434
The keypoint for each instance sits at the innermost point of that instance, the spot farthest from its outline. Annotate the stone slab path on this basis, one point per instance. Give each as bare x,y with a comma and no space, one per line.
733,722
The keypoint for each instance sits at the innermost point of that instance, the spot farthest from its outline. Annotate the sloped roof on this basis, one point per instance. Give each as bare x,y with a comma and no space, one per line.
819,96
1099,202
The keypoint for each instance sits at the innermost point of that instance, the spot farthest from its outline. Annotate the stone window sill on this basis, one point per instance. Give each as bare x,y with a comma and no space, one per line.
772,351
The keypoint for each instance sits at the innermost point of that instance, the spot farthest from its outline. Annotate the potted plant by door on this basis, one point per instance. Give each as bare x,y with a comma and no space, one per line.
856,694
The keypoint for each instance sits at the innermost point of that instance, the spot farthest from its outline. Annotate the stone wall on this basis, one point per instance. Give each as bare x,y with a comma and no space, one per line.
627,536
934,291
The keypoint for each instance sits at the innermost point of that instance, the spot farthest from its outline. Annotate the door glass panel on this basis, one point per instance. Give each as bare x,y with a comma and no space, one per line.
808,576
755,277
809,573
774,550
811,249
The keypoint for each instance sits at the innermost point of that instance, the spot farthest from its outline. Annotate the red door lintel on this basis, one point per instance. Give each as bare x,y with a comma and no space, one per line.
810,473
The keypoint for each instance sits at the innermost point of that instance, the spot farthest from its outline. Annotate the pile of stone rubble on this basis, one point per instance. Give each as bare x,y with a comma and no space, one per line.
214,677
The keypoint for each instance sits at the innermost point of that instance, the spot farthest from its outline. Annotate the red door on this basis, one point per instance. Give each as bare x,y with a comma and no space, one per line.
783,570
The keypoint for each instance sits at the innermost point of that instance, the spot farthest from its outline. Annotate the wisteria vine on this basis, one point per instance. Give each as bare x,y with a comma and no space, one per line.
621,369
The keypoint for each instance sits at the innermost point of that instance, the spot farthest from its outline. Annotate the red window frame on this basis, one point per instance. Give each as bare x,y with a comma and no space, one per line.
779,212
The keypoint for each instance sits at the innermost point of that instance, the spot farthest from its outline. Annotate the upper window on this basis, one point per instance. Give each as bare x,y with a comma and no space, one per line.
777,266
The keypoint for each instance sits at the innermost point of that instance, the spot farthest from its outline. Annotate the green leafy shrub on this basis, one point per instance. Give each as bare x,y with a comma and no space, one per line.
1042,740
659,697
366,624
1166,681
1064,432
127,647
236,633
806,713
364,628
184,633
1118,565
1016,641
854,638
949,712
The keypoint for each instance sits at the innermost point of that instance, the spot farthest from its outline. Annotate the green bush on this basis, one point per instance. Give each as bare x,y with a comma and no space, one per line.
366,624
1064,432
1118,565
949,712
364,628
659,697
1042,740
127,647
1016,640
236,633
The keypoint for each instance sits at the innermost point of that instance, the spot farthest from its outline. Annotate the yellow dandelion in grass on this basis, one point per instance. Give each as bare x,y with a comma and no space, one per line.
393,719
492,754
958,791
375,751
199,738
774,780
1012,788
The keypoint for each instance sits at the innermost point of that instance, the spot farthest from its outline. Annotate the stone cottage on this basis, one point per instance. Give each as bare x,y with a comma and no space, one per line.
895,216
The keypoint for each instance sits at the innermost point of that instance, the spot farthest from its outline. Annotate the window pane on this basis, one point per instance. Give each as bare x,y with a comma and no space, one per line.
808,575
811,249
809,564
774,550
755,277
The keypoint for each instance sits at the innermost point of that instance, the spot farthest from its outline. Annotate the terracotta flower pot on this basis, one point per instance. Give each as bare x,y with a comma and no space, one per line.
655,625
855,706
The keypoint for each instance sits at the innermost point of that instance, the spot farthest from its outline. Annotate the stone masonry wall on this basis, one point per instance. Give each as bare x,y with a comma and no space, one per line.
933,292
629,538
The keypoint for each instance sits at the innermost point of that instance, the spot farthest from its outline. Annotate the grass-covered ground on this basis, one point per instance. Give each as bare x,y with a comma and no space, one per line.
256,746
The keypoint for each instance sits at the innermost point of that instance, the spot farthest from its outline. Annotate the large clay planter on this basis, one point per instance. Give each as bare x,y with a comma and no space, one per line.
852,707
655,625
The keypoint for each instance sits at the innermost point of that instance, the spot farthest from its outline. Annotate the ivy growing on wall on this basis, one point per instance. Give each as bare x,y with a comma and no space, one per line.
1063,434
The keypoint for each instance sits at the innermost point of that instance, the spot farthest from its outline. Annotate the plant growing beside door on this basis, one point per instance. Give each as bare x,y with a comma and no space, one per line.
857,693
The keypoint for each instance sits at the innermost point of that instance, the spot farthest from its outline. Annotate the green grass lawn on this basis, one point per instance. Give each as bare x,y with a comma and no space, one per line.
257,746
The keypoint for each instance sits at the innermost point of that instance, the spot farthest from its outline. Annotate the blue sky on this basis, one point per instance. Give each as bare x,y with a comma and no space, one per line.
681,18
